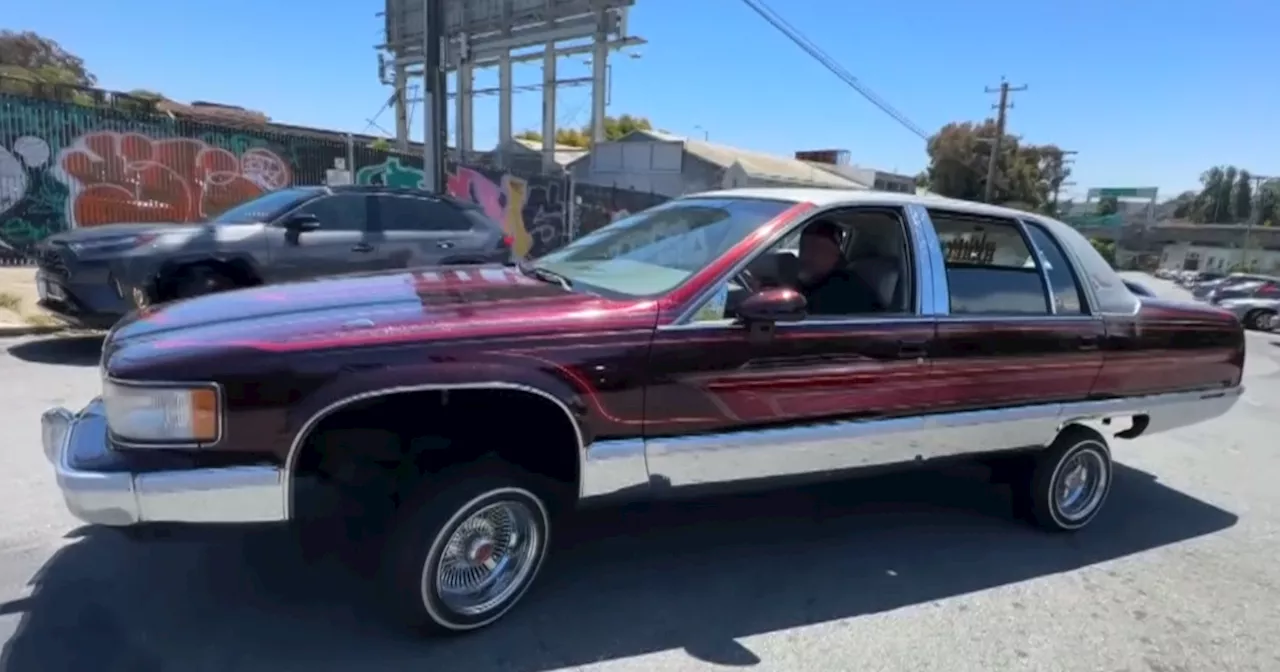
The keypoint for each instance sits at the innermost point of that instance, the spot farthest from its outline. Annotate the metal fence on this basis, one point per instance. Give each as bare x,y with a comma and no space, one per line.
67,163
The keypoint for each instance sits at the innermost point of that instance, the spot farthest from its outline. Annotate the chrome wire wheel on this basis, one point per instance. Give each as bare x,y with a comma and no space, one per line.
489,557
1081,484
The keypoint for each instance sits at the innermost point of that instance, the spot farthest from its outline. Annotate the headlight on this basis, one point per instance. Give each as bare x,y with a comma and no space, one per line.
161,414
112,244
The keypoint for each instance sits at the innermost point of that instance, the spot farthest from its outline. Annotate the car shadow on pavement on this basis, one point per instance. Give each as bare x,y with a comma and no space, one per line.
78,350
696,575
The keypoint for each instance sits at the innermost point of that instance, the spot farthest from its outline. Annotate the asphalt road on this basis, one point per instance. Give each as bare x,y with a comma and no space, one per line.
914,572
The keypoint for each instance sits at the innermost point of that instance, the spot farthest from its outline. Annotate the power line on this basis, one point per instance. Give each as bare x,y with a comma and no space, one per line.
794,34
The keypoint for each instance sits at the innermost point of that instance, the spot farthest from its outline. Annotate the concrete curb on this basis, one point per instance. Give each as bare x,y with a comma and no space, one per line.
11,330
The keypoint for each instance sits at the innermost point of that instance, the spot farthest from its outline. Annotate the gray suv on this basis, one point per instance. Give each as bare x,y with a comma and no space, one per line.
92,276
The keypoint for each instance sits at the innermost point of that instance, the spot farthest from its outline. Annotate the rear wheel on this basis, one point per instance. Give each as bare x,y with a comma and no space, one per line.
1259,320
466,548
1068,482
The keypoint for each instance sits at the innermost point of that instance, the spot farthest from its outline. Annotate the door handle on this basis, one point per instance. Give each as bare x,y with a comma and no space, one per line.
913,348
444,244
1090,342
362,247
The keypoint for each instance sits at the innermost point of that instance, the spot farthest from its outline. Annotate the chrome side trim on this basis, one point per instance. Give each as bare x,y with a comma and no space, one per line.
614,468
1164,411
290,463
247,494
848,445
782,327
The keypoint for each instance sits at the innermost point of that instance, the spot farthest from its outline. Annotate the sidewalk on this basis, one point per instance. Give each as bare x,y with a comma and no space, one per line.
19,314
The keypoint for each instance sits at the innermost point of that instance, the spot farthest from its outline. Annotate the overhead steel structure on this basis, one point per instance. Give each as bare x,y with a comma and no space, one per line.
496,33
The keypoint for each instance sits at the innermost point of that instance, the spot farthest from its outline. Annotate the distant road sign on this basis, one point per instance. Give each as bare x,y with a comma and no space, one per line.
1123,192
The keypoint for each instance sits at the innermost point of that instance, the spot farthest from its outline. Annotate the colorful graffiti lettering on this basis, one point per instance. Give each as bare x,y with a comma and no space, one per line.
503,202
129,177
391,173
64,165
530,210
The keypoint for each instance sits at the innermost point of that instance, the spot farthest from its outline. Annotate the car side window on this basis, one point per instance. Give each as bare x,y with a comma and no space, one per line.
1068,297
869,274
410,213
340,212
990,270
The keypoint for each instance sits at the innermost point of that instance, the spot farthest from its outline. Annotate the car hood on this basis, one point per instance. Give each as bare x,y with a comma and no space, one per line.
423,304
88,233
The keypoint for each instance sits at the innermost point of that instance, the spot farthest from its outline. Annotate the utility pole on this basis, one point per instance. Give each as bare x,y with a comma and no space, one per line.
1002,107
435,96
1254,218
1059,169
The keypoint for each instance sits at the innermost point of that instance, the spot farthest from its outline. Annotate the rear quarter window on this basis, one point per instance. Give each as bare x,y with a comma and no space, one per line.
1109,290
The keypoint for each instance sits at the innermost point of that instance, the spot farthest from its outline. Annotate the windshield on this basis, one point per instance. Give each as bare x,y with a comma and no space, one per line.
266,207
653,251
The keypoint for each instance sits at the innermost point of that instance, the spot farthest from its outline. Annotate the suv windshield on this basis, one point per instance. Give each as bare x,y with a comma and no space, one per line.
267,206
653,251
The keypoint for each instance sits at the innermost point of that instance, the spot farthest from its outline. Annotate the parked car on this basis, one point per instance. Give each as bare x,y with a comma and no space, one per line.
672,352
1264,287
1256,311
1205,290
92,276
1190,278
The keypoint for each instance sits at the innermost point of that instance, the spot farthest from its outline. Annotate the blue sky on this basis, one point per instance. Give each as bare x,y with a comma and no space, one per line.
1150,93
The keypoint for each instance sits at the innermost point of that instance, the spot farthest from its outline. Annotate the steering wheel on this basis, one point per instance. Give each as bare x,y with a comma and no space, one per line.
748,281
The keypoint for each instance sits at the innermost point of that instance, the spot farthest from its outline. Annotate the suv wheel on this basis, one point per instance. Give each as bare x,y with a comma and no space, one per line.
461,556
198,281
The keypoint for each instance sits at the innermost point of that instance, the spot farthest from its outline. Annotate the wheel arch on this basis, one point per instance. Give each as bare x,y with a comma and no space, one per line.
290,467
240,268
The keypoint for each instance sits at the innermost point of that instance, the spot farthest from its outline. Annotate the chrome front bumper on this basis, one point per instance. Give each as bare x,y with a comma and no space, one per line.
100,489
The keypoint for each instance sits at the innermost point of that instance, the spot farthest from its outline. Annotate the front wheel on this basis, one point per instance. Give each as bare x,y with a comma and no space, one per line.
461,557
1069,481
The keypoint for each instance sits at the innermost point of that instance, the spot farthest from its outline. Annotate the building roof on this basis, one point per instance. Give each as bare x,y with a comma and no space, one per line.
757,164
564,154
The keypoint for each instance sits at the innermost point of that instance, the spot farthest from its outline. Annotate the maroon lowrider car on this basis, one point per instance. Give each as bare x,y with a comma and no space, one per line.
723,340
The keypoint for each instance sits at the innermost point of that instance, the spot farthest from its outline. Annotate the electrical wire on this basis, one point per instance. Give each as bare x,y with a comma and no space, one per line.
797,37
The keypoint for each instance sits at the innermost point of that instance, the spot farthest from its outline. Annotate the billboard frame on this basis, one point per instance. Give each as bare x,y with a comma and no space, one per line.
485,35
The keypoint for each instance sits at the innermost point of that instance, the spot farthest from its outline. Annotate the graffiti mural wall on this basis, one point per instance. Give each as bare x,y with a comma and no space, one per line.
532,209
597,206
64,166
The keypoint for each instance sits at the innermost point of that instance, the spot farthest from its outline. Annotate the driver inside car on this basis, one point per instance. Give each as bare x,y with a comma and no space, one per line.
828,287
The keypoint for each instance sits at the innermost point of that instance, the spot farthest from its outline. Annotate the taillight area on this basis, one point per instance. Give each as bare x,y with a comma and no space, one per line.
508,240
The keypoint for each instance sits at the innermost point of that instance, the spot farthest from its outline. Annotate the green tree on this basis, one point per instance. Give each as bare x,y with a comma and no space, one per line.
1106,248
614,128
1242,197
1225,197
1108,205
38,66
1268,203
1029,175
1184,205
380,145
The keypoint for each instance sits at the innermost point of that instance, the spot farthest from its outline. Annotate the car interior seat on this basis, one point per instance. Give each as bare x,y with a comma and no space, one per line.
877,256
